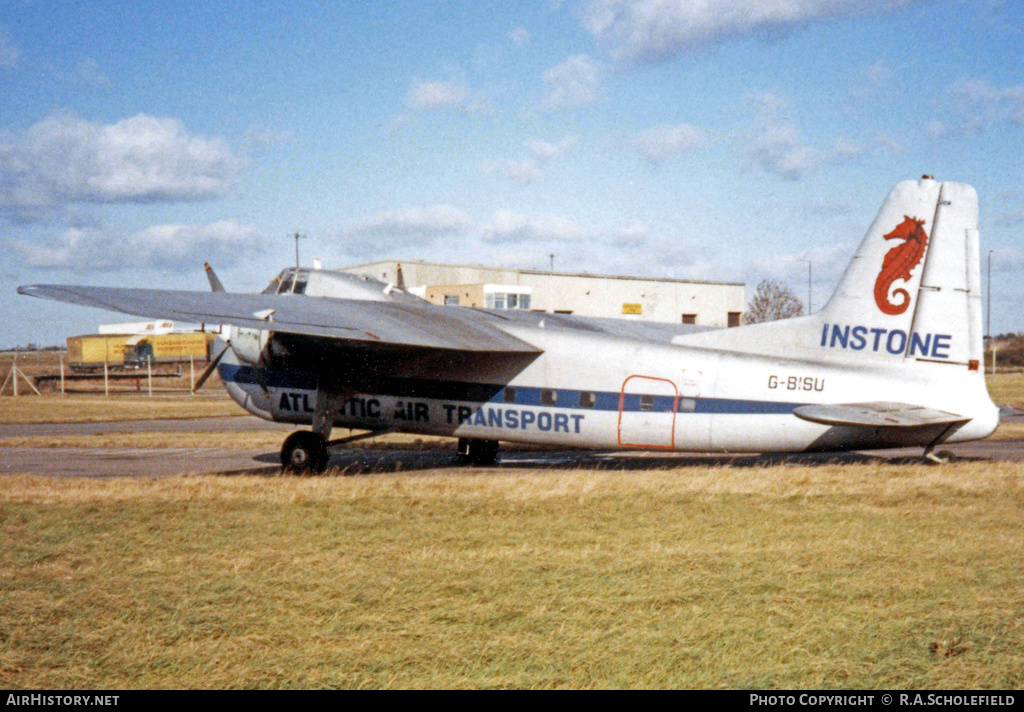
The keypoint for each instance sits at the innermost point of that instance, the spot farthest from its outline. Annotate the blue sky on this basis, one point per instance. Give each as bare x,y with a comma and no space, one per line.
719,140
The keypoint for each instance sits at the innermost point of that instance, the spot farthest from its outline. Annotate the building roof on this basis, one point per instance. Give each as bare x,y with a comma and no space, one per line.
542,272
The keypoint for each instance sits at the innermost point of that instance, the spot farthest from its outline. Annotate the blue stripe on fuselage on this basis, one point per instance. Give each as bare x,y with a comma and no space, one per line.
494,394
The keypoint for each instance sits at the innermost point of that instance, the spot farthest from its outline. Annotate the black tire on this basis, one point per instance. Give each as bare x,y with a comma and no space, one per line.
477,452
304,453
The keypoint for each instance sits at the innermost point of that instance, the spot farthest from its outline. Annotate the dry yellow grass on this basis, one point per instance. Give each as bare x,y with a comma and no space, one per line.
1006,388
830,576
50,408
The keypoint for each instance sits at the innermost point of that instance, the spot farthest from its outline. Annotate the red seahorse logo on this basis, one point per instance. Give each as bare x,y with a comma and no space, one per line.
898,263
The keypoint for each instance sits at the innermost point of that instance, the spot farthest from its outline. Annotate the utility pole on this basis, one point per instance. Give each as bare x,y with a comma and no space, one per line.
988,317
988,300
297,236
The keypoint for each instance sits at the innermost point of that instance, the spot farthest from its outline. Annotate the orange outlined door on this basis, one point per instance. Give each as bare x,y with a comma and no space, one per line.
647,412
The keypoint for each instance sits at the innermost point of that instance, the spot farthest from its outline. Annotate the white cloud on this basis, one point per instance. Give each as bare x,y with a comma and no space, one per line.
780,150
519,36
979,106
777,146
526,170
635,234
521,172
435,95
87,71
546,151
660,142
656,30
574,82
64,160
506,226
164,246
427,222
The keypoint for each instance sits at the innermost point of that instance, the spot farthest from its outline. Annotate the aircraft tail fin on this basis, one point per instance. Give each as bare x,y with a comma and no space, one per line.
911,292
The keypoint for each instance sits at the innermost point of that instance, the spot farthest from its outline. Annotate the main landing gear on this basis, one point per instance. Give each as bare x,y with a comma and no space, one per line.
304,453
476,452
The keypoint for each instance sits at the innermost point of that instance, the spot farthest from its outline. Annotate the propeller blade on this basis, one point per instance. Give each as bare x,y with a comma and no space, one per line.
215,284
209,369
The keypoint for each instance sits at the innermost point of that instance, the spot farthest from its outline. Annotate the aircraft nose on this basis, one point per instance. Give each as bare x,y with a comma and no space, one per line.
240,382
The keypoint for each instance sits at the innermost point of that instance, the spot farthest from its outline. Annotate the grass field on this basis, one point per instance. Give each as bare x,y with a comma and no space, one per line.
831,576
773,577
90,408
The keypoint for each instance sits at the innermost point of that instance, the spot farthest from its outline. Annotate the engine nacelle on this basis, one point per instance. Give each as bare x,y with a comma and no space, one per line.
248,344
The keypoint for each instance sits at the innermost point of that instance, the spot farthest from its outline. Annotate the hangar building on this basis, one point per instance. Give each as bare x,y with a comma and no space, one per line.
667,300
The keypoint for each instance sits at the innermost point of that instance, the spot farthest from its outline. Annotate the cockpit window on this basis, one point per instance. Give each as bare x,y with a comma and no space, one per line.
289,281
275,285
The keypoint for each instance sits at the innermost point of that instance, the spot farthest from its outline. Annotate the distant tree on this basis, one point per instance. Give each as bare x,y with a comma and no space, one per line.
773,300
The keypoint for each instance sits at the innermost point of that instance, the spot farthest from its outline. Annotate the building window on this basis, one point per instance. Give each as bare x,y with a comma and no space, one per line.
734,318
506,300
451,300
689,318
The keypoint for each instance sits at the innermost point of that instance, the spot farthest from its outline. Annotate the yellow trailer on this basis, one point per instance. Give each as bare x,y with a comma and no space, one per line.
90,351
167,348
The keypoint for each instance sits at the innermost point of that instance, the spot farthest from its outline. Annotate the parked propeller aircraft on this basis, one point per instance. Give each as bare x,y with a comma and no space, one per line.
892,360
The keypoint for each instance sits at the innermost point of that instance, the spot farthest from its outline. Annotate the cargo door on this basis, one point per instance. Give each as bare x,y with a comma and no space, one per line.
647,412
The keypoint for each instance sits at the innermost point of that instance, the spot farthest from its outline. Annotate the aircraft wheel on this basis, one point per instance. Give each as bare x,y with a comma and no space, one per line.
304,453
477,452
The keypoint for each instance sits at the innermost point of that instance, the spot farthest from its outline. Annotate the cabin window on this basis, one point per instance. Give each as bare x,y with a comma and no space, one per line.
300,286
587,399
510,395
646,402
286,284
548,397
478,393
687,405
451,300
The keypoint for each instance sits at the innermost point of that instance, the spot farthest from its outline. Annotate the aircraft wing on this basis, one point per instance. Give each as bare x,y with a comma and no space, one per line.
880,414
424,326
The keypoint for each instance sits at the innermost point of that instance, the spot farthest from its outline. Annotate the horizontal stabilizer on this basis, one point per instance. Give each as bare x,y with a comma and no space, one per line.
892,415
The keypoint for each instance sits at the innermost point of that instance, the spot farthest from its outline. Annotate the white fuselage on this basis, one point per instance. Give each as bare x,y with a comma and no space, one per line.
592,391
